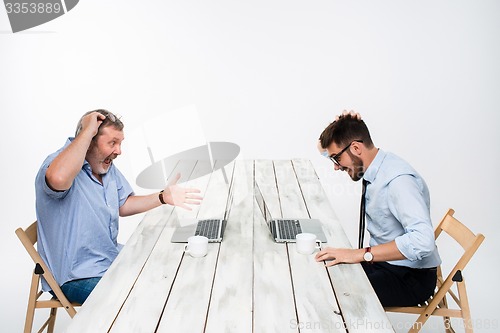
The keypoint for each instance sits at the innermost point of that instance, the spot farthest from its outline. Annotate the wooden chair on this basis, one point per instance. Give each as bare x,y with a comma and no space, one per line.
437,305
29,237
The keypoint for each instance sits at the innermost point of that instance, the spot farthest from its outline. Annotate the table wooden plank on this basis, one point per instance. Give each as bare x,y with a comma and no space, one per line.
187,306
317,203
360,306
232,296
144,306
317,308
290,196
105,301
274,309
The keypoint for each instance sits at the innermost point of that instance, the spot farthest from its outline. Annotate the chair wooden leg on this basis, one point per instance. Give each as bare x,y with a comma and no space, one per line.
464,305
30,312
52,320
45,324
443,304
446,320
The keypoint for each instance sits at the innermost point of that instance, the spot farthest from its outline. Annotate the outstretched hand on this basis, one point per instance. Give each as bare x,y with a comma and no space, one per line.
176,195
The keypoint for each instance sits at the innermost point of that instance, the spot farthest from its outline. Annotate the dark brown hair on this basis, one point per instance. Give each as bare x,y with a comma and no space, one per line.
345,130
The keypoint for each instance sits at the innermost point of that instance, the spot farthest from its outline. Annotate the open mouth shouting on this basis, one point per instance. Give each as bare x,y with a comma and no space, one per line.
108,160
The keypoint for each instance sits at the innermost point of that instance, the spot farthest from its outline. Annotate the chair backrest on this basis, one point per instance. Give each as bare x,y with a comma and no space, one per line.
29,238
469,241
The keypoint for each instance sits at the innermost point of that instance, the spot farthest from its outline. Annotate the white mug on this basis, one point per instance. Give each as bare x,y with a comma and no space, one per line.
197,246
307,243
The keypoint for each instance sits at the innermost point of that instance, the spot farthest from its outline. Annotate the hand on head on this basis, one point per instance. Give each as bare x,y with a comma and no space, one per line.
91,122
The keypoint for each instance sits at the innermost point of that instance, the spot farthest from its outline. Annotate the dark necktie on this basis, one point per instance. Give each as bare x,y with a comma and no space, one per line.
362,215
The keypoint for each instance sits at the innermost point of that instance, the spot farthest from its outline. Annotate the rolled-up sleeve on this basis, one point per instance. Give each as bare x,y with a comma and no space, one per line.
41,182
407,203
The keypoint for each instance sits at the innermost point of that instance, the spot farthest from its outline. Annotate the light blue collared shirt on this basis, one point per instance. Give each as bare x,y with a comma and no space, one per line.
78,228
398,208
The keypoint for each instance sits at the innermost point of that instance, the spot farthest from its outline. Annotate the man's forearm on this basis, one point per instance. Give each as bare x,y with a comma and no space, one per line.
387,252
136,204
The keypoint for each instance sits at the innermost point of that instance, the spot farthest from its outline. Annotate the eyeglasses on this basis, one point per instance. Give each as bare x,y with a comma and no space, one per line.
112,117
335,158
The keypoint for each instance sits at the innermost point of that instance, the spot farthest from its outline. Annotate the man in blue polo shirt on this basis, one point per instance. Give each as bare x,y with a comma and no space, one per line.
80,195
402,256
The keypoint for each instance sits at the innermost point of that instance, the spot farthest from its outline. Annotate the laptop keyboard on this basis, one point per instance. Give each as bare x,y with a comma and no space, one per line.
289,228
208,228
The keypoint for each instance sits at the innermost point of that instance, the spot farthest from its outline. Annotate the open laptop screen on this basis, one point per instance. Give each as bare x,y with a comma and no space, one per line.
262,205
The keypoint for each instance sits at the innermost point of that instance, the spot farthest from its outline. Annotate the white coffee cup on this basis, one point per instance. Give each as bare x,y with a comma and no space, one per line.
197,246
307,243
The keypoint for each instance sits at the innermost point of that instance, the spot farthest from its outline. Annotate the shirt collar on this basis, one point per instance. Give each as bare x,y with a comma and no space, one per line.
372,170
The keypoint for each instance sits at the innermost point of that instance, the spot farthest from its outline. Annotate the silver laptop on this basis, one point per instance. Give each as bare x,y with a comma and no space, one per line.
213,229
284,230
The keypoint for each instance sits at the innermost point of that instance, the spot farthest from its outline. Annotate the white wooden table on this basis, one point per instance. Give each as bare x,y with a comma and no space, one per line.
247,283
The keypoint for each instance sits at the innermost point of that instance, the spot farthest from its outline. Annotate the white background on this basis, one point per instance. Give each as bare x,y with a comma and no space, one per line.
269,76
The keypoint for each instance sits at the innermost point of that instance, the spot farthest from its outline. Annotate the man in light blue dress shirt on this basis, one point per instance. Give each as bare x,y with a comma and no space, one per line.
80,195
402,256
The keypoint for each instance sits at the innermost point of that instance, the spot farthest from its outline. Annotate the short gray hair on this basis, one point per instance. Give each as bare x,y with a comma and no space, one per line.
110,120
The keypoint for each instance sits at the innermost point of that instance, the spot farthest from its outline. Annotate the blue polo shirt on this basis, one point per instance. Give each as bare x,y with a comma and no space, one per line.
78,228
398,208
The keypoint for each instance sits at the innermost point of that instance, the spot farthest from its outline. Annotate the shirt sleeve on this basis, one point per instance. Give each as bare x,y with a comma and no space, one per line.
41,181
408,202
